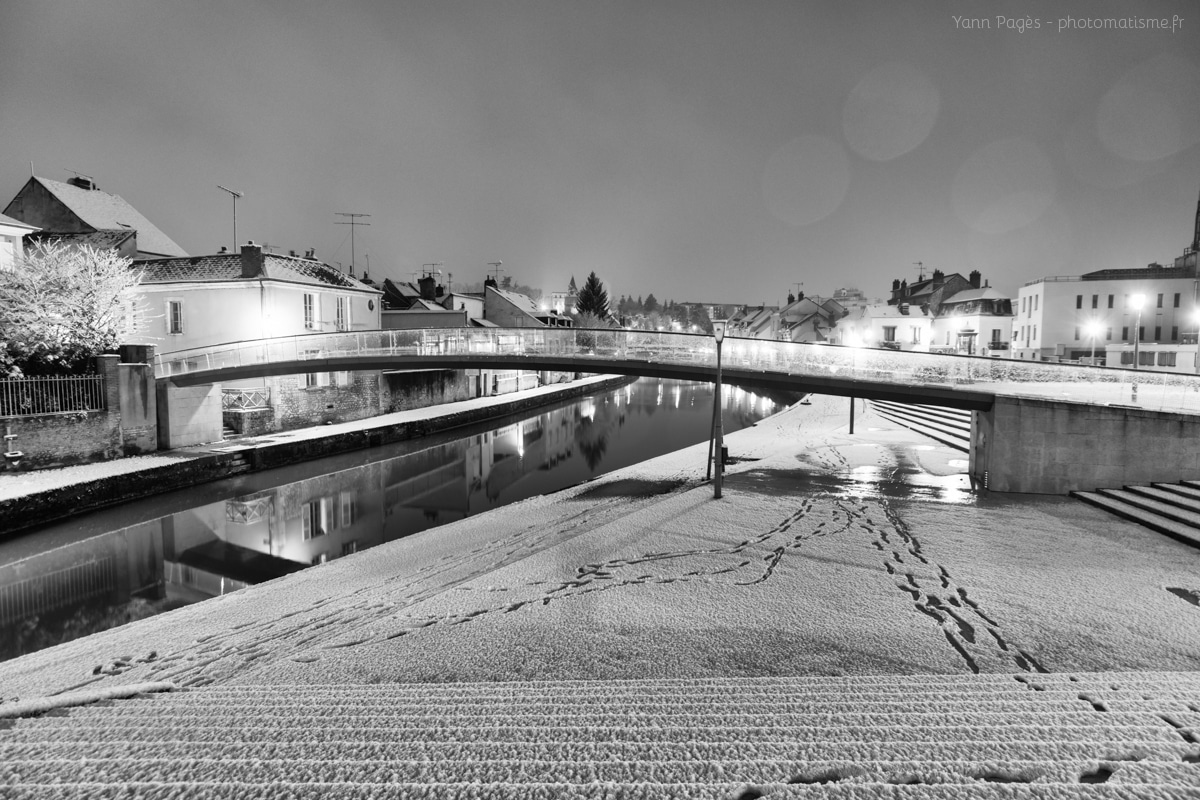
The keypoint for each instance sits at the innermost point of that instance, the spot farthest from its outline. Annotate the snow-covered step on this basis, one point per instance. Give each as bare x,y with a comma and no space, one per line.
951,436
1170,510
1142,516
951,416
1093,735
1180,489
1162,495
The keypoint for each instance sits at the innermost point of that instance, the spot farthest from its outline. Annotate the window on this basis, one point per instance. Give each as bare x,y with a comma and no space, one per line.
1023,299
340,379
1177,299
947,338
1108,334
310,311
1035,305
1160,300
995,336
1158,331
175,316
1174,333
343,313
1125,333
1142,333
317,517
350,547
1166,359
1124,301
916,334
1110,301
1145,359
348,502
1079,301
1095,301
1077,333
320,558
1127,357
1035,332
889,333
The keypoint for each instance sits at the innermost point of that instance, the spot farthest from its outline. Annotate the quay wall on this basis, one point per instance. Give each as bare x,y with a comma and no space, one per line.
1055,447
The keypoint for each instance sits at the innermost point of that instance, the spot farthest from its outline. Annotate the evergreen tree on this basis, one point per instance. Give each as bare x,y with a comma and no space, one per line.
592,298
651,304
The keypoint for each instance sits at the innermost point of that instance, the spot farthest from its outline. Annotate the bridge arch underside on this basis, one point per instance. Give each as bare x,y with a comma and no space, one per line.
947,396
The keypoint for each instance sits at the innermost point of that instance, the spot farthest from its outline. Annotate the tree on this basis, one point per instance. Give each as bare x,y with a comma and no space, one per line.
651,304
592,298
61,305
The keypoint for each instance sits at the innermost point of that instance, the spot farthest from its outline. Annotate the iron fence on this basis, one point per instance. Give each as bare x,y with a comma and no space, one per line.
55,394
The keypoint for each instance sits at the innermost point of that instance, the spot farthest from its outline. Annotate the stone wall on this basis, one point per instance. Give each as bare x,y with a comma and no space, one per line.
138,409
188,415
1054,447
408,390
299,406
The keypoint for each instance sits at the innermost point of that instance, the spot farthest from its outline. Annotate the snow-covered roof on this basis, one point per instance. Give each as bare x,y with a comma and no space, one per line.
108,212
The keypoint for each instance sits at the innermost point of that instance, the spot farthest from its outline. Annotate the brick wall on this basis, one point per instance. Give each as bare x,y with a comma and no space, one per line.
297,406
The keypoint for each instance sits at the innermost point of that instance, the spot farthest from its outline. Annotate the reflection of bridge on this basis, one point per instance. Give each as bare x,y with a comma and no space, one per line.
1025,405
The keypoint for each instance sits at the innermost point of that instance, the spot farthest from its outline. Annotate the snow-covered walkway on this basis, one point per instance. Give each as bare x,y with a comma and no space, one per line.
864,556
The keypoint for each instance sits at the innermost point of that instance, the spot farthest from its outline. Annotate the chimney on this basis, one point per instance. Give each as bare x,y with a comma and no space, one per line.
223,251
427,285
252,260
310,253
491,282
938,275
975,278
441,290
292,253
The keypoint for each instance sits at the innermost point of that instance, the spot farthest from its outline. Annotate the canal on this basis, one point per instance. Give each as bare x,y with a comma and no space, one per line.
104,569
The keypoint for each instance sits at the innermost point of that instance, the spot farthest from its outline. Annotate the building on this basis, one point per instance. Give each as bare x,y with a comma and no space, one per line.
1063,318
12,235
808,319
890,327
78,212
975,322
200,301
508,309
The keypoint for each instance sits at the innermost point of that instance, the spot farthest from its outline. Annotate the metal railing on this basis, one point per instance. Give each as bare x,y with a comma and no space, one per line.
1154,390
257,397
55,394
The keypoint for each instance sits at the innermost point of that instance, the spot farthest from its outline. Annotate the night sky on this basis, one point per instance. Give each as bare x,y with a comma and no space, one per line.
709,151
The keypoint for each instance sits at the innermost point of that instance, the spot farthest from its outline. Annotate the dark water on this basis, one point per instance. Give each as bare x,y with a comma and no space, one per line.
105,569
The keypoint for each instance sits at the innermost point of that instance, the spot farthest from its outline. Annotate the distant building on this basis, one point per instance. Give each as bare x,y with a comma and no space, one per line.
12,235
975,322
890,327
1061,318
78,212
508,309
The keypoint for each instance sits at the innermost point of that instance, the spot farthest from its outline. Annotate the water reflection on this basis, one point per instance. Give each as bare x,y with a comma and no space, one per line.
222,546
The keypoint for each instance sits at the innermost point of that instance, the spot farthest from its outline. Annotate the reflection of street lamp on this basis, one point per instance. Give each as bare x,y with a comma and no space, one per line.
1137,300
1093,330
719,461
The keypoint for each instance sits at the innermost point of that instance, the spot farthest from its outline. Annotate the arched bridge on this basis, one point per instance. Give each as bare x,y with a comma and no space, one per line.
955,381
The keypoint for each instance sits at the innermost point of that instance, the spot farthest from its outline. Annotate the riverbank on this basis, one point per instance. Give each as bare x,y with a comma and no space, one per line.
30,499
830,554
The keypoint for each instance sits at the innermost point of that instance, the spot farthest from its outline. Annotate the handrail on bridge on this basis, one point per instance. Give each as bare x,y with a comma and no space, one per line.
1154,390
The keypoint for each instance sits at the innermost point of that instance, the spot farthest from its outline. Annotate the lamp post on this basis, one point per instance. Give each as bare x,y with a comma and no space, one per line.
1137,300
718,460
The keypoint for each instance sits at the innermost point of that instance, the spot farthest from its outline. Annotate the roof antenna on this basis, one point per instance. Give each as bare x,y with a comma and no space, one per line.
235,196
353,223
920,270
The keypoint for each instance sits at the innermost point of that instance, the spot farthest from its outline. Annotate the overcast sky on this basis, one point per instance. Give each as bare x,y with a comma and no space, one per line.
717,151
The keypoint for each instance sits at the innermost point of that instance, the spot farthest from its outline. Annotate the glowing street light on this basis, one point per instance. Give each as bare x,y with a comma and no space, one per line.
1093,330
1137,301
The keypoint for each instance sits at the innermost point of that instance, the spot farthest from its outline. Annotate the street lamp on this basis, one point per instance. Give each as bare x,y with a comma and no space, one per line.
1093,330
1137,301
718,460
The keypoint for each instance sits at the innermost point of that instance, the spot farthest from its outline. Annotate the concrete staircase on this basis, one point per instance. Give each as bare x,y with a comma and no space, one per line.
1087,735
1173,509
949,426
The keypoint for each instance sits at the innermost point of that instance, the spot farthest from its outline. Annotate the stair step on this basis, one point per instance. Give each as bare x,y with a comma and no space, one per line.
954,439
1156,522
1143,501
1183,502
1180,489
951,415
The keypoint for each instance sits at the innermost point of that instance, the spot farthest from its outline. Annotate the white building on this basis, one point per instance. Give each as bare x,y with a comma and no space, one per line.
12,232
1063,318
892,327
975,322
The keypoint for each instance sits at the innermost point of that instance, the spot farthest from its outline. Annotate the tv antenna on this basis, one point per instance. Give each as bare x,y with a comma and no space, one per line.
76,174
920,265
235,196
429,269
799,288
495,270
353,223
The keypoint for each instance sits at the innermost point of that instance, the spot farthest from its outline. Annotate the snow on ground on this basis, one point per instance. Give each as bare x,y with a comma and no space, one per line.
829,554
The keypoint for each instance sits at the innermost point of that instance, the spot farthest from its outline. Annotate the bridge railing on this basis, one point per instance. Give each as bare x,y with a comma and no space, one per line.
1156,390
